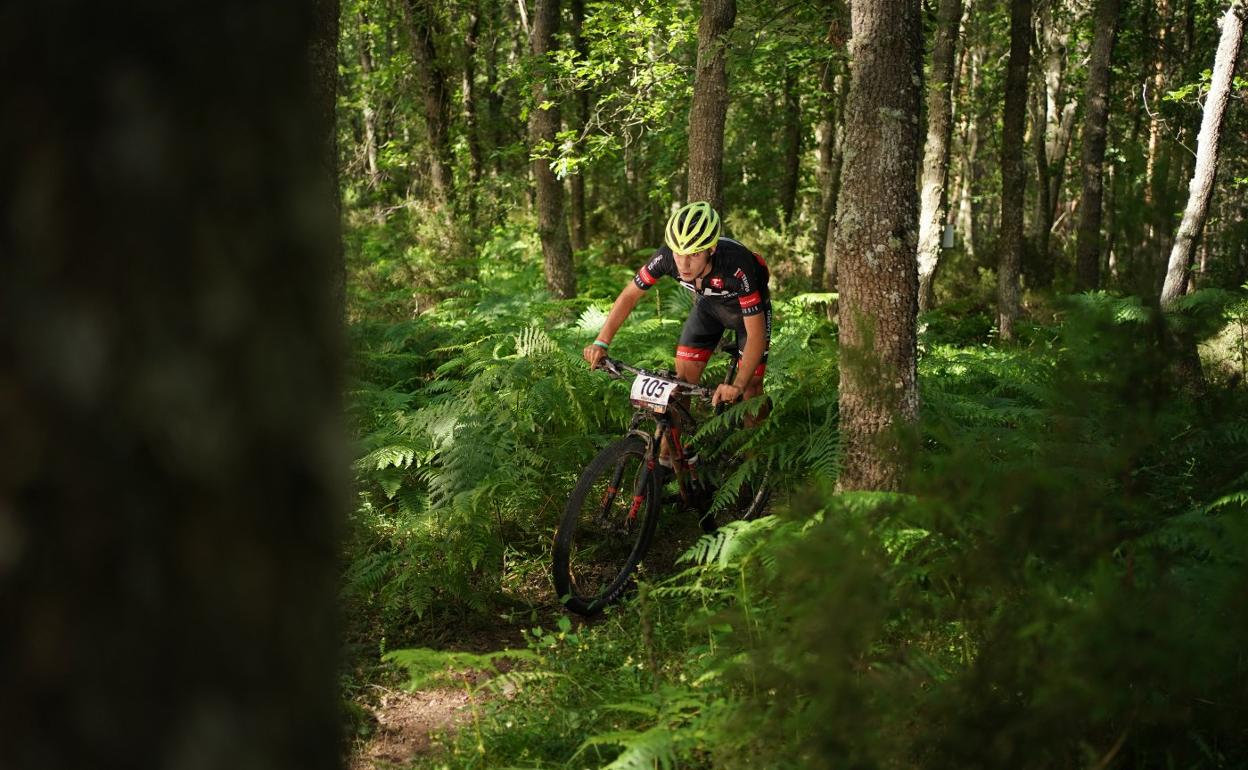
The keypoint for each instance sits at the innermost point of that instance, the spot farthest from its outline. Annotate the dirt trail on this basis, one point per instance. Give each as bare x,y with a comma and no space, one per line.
406,722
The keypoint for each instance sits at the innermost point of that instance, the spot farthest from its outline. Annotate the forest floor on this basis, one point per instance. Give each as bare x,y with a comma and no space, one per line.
407,725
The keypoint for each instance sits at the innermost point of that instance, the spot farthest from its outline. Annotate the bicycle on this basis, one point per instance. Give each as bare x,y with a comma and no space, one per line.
604,535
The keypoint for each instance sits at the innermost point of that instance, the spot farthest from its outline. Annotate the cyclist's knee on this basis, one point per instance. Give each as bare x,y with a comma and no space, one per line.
689,371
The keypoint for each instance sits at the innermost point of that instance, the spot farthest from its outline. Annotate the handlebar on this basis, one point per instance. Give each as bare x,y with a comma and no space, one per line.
614,366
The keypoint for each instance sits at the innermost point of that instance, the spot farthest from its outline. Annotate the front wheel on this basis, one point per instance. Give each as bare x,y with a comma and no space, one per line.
606,528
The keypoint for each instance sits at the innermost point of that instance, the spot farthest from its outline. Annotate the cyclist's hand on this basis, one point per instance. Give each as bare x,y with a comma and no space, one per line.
594,355
726,393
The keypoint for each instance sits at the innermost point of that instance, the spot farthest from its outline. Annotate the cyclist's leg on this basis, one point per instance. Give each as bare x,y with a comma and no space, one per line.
698,339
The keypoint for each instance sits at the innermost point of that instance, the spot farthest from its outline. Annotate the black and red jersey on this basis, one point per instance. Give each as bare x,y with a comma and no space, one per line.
737,279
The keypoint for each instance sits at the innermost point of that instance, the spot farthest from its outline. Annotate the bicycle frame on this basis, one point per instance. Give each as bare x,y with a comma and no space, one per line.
665,426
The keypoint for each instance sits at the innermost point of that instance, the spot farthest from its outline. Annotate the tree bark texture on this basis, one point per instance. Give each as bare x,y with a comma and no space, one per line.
173,483
1200,191
543,126
1013,179
710,103
1052,127
970,168
832,86
1095,132
876,241
432,79
366,108
933,198
576,180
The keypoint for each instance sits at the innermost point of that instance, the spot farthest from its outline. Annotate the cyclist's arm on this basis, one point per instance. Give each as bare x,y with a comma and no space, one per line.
620,311
755,344
751,357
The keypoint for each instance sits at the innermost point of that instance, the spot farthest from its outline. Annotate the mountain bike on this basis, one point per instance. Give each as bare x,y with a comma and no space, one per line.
611,515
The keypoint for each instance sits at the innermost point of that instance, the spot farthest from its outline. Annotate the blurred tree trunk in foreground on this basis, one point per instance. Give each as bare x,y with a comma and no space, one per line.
876,241
172,487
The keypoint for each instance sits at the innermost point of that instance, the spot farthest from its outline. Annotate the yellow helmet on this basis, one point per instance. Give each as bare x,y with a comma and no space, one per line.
692,228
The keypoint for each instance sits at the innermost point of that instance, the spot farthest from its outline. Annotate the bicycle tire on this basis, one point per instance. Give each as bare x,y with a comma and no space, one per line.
604,534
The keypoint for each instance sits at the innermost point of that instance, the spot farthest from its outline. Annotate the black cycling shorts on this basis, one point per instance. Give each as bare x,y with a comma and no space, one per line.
705,326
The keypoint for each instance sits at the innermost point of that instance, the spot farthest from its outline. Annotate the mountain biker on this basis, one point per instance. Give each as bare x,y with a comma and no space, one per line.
729,285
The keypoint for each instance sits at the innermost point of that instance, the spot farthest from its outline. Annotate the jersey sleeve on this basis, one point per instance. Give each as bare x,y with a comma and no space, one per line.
660,264
753,277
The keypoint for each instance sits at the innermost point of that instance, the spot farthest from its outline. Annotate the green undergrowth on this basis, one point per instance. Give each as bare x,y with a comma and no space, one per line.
1061,585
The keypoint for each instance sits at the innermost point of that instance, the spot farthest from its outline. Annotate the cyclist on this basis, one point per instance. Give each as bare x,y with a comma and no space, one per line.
729,285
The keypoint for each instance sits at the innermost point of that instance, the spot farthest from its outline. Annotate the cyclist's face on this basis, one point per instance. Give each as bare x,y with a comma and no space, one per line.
690,266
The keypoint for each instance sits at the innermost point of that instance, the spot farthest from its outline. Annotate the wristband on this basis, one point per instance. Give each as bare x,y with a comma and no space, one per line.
601,344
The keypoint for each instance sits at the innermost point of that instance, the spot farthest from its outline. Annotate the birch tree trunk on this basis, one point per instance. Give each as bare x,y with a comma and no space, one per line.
1095,128
1200,191
934,198
1013,179
543,126
876,241
369,114
710,103
969,209
174,475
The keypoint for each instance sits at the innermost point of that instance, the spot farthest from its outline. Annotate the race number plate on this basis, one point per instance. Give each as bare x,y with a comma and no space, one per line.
653,393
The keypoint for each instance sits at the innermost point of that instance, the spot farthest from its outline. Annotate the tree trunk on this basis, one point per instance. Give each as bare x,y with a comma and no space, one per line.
173,482
433,92
1154,182
1013,180
543,126
792,148
576,180
831,86
369,114
876,241
710,103
838,160
1095,128
968,209
1036,266
495,122
476,162
1201,188
934,199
